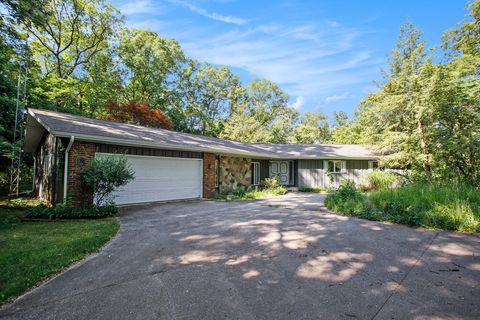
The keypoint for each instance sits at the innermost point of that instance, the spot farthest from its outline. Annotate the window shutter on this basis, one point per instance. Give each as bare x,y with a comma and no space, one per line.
344,166
325,165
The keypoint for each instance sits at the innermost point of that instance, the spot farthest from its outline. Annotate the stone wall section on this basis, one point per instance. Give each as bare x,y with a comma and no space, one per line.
234,172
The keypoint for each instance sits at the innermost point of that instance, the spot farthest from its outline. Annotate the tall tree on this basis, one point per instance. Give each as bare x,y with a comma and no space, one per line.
261,114
65,37
205,96
149,66
313,128
397,118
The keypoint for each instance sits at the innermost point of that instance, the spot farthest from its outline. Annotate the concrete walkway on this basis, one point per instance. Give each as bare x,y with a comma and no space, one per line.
262,260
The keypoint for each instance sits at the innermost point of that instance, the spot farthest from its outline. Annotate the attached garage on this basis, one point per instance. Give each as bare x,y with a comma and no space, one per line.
160,179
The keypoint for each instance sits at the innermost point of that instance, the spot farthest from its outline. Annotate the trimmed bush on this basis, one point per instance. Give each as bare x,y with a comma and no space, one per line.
65,212
104,175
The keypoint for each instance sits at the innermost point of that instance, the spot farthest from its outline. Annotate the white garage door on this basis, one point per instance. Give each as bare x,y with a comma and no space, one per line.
160,179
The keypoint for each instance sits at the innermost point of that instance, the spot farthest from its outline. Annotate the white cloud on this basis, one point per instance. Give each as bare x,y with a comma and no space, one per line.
298,103
333,98
139,7
312,61
208,14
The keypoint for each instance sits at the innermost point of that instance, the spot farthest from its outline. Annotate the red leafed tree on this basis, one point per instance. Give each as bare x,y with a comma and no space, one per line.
136,113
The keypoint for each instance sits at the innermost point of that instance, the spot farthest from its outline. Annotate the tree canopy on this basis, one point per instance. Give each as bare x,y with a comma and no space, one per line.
82,59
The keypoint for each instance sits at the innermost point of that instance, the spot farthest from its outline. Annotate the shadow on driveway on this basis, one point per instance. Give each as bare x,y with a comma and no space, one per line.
260,260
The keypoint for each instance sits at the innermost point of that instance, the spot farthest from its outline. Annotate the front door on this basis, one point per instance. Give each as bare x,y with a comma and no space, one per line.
280,170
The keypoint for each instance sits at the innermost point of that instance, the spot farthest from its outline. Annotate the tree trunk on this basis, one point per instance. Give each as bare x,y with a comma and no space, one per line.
425,153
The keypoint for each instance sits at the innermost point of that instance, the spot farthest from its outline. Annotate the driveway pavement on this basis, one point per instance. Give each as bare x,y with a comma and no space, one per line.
281,258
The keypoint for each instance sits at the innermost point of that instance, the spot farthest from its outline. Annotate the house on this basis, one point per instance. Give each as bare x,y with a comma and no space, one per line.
173,165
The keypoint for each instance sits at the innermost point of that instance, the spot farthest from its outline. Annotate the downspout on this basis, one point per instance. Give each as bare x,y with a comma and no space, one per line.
65,167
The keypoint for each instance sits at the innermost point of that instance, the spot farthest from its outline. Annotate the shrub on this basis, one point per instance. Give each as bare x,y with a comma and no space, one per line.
104,175
312,189
239,191
379,180
271,183
66,212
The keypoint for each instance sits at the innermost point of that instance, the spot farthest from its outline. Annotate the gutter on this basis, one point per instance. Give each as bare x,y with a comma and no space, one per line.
65,167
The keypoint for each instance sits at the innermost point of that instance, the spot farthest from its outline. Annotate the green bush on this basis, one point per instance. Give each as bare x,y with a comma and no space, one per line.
379,180
239,191
271,183
65,212
104,175
312,189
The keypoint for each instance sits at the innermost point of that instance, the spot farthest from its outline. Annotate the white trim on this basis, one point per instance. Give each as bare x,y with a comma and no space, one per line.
370,165
343,165
65,169
256,173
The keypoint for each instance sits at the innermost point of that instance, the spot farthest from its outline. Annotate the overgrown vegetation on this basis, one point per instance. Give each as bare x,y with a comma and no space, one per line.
31,251
271,187
432,205
379,180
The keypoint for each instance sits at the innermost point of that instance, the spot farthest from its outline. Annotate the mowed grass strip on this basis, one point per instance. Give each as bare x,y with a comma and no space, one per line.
31,251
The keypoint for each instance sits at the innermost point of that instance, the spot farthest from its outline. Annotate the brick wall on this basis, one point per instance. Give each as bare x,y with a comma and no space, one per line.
81,153
209,189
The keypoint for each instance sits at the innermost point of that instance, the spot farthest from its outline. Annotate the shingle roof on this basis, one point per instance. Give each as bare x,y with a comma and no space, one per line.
83,128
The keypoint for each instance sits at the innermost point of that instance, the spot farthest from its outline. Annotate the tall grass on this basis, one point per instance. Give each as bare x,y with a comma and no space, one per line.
444,206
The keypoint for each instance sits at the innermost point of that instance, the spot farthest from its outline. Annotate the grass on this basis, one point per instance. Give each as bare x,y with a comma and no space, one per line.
442,206
253,194
314,189
31,251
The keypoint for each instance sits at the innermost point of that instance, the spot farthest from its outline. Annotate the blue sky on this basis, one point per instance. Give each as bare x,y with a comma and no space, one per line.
324,54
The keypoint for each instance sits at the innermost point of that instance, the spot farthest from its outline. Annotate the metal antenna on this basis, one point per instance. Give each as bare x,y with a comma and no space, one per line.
18,130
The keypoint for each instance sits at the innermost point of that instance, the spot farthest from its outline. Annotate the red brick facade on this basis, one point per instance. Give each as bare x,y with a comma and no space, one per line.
81,153
209,189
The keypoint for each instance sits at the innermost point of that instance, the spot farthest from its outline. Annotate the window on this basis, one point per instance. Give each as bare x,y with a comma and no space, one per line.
373,165
217,173
255,173
336,166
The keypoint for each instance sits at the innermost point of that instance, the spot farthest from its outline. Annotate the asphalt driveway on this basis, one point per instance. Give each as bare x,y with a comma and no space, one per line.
282,258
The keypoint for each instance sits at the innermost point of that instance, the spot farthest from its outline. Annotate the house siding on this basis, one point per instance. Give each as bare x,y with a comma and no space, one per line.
153,152
311,173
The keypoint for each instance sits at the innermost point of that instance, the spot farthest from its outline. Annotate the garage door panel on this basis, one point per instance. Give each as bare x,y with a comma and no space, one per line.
160,179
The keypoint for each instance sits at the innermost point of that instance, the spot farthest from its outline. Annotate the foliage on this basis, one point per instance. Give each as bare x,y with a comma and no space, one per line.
149,66
136,113
271,183
68,212
313,189
313,128
104,175
445,206
240,193
425,115
379,180
206,93
35,250
260,114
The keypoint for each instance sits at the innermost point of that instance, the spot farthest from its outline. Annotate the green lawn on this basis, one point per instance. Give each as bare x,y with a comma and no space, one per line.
31,251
